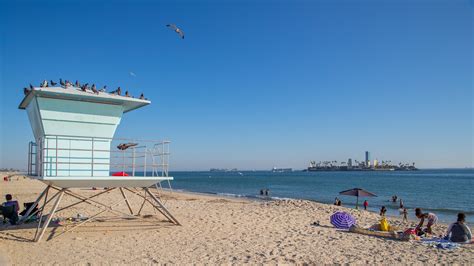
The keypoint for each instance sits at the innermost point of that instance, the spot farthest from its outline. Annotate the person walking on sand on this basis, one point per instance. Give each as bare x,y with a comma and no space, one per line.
431,217
459,231
366,204
401,204
383,210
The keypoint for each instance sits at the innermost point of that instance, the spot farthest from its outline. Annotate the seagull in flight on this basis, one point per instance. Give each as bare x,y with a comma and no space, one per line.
176,29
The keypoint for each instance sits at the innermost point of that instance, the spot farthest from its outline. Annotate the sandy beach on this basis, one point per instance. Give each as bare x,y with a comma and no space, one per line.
214,230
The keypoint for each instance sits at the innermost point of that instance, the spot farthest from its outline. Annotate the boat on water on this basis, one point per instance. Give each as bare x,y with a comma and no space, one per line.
281,170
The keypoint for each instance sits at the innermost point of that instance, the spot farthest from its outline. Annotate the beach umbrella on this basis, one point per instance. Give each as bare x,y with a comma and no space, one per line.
357,192
342,220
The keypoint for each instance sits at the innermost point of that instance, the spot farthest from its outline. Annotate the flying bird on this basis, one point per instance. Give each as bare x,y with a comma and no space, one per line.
62,82
53,83
176,29
133,74
124,146
26,91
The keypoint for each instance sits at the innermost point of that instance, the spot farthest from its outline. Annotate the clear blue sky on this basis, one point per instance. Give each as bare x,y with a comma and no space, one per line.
257,85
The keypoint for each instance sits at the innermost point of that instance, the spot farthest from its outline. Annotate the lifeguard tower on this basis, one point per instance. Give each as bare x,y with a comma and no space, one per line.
74,147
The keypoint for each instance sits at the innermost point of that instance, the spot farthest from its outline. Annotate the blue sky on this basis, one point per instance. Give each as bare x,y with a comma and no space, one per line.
257,84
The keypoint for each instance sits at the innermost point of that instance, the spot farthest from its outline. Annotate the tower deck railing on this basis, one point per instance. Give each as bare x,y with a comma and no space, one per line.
71,156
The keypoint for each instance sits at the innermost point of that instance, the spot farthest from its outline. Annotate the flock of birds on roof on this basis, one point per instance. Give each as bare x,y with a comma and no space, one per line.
65,84
85,87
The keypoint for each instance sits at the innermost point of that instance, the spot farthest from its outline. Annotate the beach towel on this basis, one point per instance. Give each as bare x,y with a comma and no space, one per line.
439,243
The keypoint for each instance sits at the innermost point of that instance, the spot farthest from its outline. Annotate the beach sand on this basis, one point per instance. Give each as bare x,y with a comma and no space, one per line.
214,230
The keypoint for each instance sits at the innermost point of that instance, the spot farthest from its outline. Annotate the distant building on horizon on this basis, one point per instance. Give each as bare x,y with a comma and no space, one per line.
349,163
367,158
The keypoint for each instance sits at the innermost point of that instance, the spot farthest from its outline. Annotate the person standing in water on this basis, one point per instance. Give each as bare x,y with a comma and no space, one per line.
405,215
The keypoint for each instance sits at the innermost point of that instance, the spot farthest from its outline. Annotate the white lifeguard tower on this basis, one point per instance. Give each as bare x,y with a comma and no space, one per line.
74,147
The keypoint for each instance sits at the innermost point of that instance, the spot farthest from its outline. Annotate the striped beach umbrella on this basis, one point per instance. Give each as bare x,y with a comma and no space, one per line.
342,220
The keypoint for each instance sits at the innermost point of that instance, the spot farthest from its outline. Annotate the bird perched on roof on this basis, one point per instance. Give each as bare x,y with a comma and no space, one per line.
68,83
126,94
78,85
104,89
31,87
94,90
53,83
44,84
85,87
176,29
142,97
26,91
62,82
118,91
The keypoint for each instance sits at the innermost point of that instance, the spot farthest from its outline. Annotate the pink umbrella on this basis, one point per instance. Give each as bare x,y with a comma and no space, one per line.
358,192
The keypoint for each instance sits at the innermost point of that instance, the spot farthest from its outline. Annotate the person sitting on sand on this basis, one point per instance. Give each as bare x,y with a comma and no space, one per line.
383,210
459,231
12,216
336,201
431,217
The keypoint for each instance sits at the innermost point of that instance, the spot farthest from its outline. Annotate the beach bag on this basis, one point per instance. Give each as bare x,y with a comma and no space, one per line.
384,226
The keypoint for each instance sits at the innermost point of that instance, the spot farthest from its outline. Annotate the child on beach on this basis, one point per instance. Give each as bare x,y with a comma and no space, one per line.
405,215
366,204
383,210
431,217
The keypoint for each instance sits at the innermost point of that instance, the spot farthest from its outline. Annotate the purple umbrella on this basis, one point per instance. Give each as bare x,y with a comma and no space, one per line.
358,192
342,220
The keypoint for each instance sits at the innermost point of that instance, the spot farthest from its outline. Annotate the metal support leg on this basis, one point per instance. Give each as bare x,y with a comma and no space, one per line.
27,214
51,214
162,207
126,200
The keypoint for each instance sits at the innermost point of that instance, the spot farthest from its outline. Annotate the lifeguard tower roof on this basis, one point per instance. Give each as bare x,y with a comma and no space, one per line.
74,140
76,94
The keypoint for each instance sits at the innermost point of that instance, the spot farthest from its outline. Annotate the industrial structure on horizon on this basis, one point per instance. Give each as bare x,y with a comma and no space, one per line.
366,165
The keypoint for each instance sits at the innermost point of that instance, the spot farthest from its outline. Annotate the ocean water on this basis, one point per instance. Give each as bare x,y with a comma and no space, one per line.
444,192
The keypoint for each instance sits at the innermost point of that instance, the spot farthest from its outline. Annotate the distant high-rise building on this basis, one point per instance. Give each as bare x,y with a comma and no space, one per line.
367,158
349,163
376,163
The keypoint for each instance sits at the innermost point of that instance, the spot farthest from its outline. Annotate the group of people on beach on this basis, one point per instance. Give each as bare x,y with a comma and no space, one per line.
458,231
